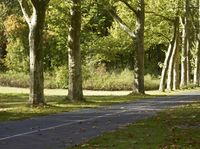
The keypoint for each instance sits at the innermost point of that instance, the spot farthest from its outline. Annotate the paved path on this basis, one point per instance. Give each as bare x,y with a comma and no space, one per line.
63,130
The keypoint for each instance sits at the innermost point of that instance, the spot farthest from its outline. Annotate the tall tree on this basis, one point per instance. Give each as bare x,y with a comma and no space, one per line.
138,41
75,92
34,14
185,45
173,57
197,58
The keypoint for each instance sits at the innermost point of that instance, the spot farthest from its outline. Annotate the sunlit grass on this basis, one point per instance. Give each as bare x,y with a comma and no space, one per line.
171,129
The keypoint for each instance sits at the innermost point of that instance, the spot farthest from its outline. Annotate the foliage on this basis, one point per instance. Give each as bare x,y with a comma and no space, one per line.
14,79
17,53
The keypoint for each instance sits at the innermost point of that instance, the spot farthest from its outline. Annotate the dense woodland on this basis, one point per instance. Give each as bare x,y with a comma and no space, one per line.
74,43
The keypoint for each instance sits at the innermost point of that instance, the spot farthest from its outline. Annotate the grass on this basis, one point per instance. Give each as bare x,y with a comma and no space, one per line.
92,79
172,129
15,107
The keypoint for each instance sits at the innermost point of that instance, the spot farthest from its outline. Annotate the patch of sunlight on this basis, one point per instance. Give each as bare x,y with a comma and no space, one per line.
75,106
8,109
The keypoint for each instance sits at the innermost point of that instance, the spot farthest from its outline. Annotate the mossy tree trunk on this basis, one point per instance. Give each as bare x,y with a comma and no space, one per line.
75,92
34,14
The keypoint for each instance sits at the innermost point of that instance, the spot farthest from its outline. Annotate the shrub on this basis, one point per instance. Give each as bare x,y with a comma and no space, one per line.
14,79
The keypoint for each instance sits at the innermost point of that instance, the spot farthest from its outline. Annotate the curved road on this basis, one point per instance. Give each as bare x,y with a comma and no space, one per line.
63,130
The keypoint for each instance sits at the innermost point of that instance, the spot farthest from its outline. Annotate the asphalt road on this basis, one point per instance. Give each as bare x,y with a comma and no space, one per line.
66,129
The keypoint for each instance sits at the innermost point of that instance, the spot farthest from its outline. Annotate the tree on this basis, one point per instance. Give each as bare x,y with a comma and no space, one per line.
172,63
75,92
197,57
170,16
185,45
138,40
34,14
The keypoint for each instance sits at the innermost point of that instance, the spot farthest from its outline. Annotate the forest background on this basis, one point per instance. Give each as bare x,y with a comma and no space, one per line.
107,50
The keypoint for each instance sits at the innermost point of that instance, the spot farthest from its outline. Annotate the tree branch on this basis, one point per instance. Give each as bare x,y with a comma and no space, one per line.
164,17
122,23
25,10
163,35
130,7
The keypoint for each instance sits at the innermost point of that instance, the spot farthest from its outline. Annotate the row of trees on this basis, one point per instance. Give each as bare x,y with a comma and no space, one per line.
184,40
34,14
149,25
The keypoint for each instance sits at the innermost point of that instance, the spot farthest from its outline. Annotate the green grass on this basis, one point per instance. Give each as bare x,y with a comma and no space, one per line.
172,129
15,107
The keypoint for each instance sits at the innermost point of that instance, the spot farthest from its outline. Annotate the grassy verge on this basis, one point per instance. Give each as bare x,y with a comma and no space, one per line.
172,129
15,107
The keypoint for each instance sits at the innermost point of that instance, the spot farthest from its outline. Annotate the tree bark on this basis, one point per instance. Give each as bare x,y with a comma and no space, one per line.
185,42
166,65
197,58
176,79
75,92
197,65
173,55
35,21
139,50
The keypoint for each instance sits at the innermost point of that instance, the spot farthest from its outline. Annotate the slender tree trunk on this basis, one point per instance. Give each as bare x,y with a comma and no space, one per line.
197,58
176,76
75,92
176,80
188,61
166,65
183,82
197,66
139,50
173,56
185,42
34,13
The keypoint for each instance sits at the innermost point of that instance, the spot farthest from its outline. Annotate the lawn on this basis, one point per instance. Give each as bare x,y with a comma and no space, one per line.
177,128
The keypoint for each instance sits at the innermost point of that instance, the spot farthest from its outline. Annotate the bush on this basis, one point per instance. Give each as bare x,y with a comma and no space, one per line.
109,81
57,79
151,82
14,79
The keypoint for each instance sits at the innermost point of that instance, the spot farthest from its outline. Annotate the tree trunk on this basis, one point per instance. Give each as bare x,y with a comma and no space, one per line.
173,55
139,50
35,22
176,80
75,92
166,65
36,58
185,42
197,65
188,61
197,58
